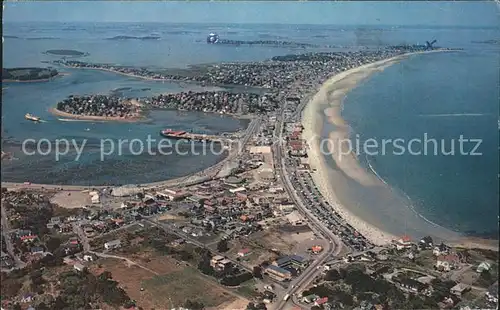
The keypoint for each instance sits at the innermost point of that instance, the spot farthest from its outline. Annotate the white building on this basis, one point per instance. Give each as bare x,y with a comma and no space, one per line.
112,244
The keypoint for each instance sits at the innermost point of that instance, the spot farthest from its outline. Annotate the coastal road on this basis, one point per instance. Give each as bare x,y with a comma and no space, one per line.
334,245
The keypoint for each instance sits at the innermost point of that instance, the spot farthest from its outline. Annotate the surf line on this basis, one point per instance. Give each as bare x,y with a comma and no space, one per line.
453,115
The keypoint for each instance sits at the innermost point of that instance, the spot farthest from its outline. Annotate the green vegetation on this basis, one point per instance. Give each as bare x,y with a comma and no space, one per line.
28,74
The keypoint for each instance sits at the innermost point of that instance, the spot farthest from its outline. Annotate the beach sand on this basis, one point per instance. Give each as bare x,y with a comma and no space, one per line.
379,223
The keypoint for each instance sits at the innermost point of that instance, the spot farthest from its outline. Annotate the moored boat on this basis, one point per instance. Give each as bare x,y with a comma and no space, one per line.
30,117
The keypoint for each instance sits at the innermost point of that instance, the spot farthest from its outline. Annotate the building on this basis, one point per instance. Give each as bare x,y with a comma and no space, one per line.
309,298
459,289
237,190
112,244
215,260
244,252
278,273
484,266
173,195
294,218
316,249
410,285
447,262
260,150
223,264
441,249
294,261
79,267
403,243
321,301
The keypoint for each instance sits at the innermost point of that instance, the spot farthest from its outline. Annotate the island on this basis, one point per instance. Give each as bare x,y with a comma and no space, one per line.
63,52
99,108
28,74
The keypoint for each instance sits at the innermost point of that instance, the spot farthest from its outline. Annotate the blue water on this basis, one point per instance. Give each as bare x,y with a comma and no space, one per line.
443,96
456,192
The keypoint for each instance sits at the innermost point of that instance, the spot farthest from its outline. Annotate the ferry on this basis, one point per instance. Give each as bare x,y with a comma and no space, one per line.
31,117
212,38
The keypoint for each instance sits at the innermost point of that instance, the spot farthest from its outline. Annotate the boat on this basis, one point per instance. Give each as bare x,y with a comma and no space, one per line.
31,117
212,38
173,134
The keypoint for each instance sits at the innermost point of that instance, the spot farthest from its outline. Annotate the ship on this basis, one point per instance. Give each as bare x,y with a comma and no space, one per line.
184,135
31,117
212,38
173,134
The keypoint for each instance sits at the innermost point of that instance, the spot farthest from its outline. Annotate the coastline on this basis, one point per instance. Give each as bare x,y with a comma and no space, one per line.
326,105
133,119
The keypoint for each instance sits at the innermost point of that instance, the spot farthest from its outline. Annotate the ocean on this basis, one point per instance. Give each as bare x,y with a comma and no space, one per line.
460,193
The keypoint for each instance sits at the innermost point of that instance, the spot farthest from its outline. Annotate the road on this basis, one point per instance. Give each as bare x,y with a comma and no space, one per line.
335,245
8,242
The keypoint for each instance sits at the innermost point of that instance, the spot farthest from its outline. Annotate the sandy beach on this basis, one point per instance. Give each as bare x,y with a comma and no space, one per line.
334,182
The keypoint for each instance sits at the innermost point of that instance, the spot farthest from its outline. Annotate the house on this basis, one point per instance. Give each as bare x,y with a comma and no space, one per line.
447,262
224,264
237,190
278,273
309,298
215,260
294,261
459,289
244,252
410,285
316,249
36,250
321,301
112,244
441,249
403,243
88,258
483,266
27,298
79,267
426,243
28,238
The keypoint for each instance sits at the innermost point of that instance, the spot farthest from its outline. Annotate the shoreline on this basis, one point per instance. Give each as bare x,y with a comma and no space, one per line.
326,106
133,119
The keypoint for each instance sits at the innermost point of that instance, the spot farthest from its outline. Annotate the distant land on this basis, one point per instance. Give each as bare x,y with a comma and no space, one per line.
62,52
134,38
27,74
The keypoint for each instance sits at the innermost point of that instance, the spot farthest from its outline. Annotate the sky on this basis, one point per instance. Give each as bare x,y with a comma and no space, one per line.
473,13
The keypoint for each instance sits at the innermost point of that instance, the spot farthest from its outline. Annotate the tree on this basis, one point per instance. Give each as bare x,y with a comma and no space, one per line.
52,244
257,272
194,305
333,275
222,246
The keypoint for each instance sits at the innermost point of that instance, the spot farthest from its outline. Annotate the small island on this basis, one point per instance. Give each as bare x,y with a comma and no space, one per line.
28,74
99,108
63,52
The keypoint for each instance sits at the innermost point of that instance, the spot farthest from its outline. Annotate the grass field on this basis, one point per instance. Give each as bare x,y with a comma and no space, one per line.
175,288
